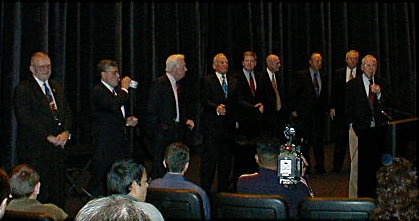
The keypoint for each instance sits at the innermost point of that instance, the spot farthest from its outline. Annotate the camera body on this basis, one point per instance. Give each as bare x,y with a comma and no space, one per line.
290,162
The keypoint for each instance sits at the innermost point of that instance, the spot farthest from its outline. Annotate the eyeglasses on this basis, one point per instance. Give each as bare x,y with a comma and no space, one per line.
147,181
47,66
114,72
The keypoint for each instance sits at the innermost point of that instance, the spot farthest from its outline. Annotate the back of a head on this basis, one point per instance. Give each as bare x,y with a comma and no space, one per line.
397,190
122,174
23,180
176,156
112,208
267,150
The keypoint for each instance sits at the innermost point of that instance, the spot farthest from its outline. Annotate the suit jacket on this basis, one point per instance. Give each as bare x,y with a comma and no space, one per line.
36,119
108,121
161,107
303,96
269,100
357,106
249,115
337,100
212,95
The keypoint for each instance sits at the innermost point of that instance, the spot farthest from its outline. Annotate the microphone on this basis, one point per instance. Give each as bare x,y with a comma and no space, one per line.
385,114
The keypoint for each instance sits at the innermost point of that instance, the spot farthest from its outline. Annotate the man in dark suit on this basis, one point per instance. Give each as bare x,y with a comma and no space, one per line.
363,105
219,96
109,120
308,105
275,115
44,118
167,115
252,92
337,106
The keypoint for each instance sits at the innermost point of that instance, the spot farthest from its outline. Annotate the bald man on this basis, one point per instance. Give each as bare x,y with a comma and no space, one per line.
276,114
44,121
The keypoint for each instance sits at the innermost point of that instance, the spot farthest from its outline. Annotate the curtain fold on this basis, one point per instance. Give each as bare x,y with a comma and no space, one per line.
140,36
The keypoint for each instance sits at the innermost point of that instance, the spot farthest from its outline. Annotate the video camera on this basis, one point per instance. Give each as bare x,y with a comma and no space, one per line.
290,162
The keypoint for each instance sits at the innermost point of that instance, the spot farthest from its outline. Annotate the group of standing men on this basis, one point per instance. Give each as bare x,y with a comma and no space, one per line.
237,109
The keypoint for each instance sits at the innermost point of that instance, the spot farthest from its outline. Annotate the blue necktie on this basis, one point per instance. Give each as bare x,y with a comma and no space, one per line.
48,93
316,84
224,84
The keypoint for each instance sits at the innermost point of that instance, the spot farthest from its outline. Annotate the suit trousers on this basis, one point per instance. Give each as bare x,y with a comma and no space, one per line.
371,147
158,145
51,171
217,154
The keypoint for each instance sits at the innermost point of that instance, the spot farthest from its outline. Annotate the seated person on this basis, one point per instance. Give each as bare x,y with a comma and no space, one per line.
114,208
267,181
25,188
4,191
128,179
397,190
176,160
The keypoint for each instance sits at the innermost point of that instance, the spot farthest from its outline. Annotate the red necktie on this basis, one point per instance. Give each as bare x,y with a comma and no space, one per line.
252,84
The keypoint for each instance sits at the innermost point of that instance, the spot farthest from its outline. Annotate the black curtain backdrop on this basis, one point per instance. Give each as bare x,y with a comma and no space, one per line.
140,35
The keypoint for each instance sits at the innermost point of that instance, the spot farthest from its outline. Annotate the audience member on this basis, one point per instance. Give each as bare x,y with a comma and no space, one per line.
219,97
25,187
44,118
251,91
128,179
266,181
112,208
397,191
308,104
365,95
276,113
176,160
4,191
167,114
109,117
337,106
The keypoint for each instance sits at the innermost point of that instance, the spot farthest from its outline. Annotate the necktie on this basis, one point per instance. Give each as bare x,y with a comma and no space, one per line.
316,84
224,84
49,97
252,84
178,89
371,96
351,75
278,98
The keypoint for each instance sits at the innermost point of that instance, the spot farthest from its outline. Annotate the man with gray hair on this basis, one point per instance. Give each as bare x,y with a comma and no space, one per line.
167,116
112,208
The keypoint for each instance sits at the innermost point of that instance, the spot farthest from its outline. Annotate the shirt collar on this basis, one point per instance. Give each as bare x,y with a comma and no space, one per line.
110,88
173,176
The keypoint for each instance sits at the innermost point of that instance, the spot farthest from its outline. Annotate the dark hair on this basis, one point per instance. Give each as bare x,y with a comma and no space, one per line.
4,184
397,191
176,156
267,150
250,53
104,65
23,180
122,174
112,208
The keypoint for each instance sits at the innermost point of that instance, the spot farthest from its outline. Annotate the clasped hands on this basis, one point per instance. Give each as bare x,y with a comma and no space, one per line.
59,140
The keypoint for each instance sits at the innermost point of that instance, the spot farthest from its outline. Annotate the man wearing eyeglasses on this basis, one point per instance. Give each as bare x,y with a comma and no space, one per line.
109,122
44,121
